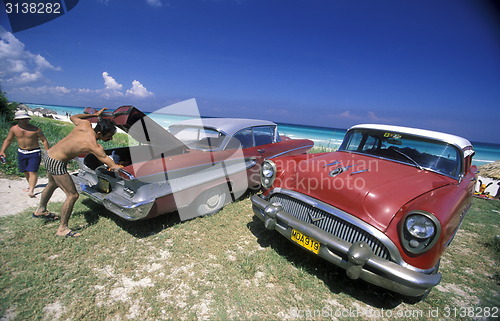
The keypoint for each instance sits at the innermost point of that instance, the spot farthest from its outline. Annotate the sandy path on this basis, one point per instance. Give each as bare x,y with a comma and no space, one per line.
14,200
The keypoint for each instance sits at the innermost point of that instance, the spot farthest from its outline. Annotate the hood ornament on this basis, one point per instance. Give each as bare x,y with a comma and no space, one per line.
337,171
313,218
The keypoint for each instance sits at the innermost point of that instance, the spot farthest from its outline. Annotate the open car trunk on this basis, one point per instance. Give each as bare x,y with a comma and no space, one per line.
143,129
155,141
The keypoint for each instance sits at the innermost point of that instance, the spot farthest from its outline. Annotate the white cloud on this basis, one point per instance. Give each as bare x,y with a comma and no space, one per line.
23,73
41,63
373,117
138,90
363,116
110,82
112,89
27,77
154,3
10,47
62,90
45,90
18,65
109,94
345,115
85,91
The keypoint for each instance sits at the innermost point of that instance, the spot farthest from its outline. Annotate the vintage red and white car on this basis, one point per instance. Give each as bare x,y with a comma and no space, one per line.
195,167
383,207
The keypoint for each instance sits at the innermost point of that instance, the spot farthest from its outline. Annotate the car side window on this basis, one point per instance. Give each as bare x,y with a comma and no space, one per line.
371,143
242,138
353,141
263,135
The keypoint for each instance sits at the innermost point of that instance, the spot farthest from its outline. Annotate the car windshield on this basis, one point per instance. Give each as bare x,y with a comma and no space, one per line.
200,138
417,151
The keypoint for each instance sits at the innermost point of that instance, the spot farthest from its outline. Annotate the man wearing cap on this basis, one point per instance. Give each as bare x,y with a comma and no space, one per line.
29,153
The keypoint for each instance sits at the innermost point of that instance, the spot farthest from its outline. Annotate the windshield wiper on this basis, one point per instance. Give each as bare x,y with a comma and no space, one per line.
407,157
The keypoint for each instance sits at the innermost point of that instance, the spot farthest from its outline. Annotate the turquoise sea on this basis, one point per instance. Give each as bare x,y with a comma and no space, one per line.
322,136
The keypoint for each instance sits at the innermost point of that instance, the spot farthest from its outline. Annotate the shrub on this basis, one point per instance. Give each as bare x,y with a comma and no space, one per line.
7,109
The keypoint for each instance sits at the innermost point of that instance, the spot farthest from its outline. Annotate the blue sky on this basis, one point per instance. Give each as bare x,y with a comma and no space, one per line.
426,64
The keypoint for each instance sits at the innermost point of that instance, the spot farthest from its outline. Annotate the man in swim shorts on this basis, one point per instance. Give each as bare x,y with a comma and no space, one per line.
28,152
82,139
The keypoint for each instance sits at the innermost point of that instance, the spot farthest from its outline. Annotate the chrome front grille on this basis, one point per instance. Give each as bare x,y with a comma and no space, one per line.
330,223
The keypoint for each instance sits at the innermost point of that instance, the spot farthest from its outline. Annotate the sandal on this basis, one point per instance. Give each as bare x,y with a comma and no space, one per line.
72,234
46,215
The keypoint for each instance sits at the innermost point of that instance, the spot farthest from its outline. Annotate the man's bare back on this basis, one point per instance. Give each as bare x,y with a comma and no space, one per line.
82,139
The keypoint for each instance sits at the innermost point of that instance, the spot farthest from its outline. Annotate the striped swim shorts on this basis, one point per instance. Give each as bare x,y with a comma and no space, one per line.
54,166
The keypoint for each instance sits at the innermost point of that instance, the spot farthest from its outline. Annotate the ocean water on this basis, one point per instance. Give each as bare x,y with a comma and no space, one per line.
321,136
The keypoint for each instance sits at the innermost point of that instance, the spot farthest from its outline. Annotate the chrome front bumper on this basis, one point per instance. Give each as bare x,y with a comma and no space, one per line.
361,263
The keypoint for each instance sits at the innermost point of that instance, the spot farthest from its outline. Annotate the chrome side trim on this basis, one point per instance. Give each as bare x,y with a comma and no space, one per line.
129,175
358,172
334,163
290,150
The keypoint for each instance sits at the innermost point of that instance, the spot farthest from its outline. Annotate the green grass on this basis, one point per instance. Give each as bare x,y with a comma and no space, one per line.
225,266
321,149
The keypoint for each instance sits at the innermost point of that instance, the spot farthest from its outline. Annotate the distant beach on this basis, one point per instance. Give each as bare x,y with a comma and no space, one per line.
486,153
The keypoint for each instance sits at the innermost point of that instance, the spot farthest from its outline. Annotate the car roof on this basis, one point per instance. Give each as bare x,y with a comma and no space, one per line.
229,126
458,141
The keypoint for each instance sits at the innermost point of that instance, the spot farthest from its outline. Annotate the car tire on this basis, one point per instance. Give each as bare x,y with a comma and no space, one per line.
211,201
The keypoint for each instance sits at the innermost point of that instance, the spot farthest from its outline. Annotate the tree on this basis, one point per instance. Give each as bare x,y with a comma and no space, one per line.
7,109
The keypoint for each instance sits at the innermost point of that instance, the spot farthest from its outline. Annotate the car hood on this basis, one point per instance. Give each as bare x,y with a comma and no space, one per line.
369,188
141,127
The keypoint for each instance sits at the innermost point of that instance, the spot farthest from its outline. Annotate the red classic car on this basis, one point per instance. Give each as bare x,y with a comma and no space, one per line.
196,167
383,207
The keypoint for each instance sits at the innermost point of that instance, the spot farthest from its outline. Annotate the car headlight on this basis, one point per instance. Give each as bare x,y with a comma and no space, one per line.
420,226
420,231
267,173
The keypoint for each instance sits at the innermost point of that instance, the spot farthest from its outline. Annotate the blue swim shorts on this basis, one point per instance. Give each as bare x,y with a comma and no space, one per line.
29,160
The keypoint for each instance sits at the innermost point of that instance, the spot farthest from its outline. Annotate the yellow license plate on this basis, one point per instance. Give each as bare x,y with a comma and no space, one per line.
305,241
103,185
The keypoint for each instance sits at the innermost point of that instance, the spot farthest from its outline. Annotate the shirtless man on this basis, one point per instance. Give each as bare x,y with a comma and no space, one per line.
29,153
82,139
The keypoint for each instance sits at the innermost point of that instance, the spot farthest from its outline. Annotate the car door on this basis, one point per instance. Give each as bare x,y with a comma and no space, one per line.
256,142
263,141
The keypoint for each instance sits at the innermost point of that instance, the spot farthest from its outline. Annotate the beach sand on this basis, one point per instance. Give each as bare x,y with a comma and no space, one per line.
15,200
